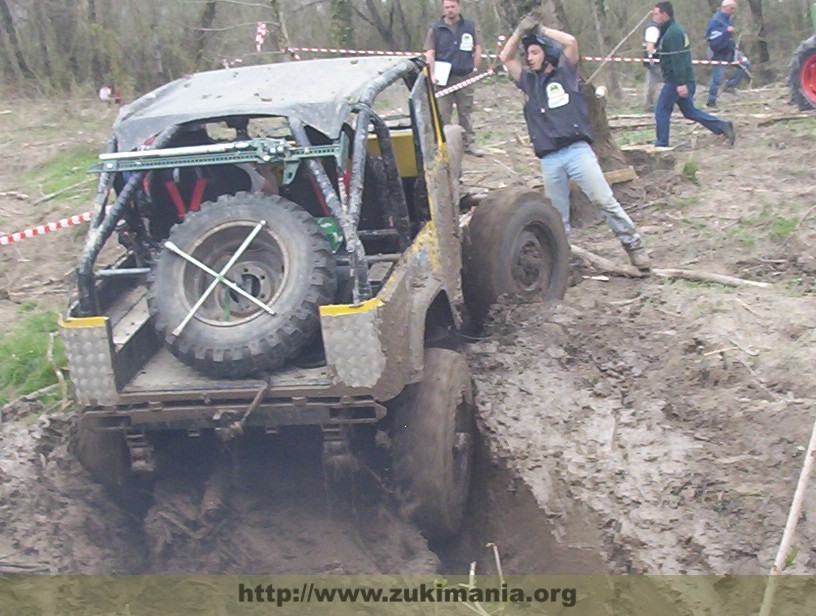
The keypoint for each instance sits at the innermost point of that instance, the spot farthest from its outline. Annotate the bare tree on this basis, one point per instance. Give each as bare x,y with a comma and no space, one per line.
761,53
205,22
342,24
16,52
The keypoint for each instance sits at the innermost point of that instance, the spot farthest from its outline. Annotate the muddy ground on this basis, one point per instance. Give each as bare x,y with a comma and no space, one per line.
641,425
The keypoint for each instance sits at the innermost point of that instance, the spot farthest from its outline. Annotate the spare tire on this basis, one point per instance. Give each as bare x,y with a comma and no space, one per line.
515,244
802,71
288,266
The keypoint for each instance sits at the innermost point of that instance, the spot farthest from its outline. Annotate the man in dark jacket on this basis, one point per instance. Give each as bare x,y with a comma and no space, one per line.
720,37
454,50
558,121
678,80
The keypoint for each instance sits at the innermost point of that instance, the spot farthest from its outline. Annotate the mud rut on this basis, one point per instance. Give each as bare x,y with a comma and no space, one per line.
639,426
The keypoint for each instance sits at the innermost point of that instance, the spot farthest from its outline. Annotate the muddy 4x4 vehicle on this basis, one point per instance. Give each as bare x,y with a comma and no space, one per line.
304,269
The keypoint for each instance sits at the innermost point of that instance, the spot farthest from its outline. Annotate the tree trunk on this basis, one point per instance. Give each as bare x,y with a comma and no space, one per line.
560,15
760,47
373,16
200,40
21,67
97,72
605,45
342,25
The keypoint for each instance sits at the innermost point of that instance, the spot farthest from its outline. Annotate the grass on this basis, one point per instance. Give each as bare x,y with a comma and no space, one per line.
64,170
24,365
678,204
690,168
766,221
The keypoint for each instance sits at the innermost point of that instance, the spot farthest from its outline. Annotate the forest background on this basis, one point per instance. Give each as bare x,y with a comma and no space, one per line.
72,47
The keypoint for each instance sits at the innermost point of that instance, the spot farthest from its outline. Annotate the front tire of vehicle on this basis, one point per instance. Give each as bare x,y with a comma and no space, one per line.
515,245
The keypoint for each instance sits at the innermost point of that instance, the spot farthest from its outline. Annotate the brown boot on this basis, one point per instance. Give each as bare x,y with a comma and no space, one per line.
639,258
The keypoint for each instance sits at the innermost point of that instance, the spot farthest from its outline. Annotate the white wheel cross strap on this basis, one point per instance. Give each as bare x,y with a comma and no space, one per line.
219,277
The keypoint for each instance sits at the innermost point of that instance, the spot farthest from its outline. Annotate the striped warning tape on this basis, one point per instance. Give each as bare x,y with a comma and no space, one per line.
465,83
77,219
413,54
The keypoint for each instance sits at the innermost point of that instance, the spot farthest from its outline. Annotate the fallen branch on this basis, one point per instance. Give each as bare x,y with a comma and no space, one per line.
790,527
632,272
607,265
34,395
63,191
729,281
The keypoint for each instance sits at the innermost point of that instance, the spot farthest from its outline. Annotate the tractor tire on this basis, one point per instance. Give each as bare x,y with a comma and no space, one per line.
104,454
802,71
288,267
516,244
433,444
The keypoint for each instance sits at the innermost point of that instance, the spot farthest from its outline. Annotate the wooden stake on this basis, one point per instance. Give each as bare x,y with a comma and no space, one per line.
790,526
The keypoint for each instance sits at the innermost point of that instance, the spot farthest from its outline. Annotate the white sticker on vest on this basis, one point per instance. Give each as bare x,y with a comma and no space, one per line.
556,97
467,42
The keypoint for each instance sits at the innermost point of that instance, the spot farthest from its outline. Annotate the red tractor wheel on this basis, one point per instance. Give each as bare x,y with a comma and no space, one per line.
803,75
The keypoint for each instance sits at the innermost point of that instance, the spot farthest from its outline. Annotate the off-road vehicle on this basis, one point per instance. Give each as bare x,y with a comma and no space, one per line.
294,257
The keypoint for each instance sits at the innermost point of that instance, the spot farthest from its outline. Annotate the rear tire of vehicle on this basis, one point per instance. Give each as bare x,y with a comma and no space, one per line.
802,75
289,267
516,244
104,454
433,438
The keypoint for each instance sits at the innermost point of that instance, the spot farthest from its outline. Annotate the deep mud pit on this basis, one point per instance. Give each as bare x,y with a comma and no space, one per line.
640,426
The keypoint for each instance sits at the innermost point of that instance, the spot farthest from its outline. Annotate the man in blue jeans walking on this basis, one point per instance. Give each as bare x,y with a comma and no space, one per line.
720,37
674,52
558,121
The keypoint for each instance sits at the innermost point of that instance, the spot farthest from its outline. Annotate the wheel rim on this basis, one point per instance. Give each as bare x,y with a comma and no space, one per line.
808,78
463,446
532,259
262,271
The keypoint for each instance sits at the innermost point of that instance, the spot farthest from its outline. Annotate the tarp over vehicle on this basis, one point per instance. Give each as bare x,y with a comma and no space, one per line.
321,93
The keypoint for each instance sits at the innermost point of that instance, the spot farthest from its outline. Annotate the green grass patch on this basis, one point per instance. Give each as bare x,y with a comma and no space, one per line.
635,136
690,169
678,204
66,169
782,227
24,365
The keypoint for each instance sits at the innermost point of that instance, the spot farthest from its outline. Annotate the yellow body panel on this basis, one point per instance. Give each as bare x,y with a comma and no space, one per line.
403,140
83,322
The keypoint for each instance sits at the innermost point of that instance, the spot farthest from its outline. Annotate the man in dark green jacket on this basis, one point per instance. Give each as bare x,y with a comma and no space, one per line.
674,53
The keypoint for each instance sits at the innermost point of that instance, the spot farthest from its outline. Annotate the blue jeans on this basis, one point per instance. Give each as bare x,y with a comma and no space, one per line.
718,75
578,162
665,104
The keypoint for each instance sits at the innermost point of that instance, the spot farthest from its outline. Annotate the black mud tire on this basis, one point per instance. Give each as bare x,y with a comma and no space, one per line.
289,267
802,75
434,443
104,454
515,245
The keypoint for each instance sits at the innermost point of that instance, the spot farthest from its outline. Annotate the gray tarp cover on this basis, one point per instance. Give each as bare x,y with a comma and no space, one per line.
318,92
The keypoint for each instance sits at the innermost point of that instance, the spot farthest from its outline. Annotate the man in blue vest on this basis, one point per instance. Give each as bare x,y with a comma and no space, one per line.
454,51
720,37
558,122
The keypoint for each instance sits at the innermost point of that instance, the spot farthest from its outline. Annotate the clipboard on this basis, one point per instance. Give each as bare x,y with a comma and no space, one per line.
442,72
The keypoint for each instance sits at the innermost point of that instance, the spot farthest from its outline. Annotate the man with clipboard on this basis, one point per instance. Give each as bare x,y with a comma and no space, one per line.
454,51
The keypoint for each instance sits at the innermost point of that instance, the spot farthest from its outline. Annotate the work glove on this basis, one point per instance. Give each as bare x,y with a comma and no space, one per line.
528,25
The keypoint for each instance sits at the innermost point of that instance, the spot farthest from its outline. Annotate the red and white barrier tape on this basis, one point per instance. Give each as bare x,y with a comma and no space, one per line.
77,219
412,54
465,83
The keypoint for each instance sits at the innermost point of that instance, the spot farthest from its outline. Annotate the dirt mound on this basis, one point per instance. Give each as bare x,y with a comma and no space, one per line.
675,415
